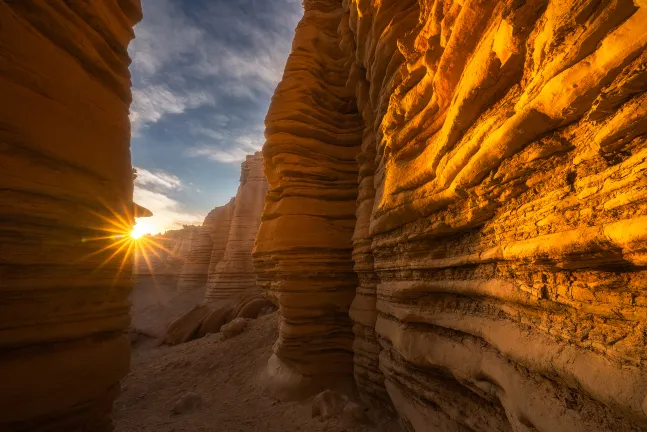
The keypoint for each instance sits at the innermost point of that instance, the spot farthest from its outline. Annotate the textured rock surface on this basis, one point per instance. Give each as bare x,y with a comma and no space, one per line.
233,275
220,235
499,229
303,249
186,327
197,262
65,181
221,256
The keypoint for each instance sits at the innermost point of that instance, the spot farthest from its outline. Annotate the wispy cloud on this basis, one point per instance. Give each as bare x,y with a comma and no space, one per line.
203,73
232,152
205,53
152,189
167,212
146,178
165,34
151,103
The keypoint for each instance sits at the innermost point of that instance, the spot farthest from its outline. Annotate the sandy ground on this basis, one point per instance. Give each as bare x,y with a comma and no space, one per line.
225,373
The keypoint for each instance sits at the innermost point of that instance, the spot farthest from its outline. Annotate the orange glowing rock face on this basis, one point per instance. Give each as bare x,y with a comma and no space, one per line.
66,211
464,178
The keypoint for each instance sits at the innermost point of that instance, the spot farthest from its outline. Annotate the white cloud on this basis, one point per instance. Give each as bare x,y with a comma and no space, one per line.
221,120
164,34
151,103
157,178
167,212
241,146
230,155
201,131
167,38
151,191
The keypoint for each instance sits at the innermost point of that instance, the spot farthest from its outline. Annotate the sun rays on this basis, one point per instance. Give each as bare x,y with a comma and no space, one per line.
120,240
141,228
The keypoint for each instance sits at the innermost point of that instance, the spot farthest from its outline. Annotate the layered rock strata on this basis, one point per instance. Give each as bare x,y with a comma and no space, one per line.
303,249
219,236
231,289
66,191
197,262
501,220
232,275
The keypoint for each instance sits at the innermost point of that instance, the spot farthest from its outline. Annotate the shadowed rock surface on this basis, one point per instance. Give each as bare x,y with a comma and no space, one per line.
495,215
303,248
66,192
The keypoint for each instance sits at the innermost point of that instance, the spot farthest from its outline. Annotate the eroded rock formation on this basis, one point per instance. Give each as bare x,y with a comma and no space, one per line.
232,275
66,191
197,262
303,249
227,238
220,235
495,215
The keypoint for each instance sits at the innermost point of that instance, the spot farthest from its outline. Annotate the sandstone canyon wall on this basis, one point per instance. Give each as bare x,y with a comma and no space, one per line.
231,273
66,192
220,236
481,165
220,261
303,249
196,264
220,252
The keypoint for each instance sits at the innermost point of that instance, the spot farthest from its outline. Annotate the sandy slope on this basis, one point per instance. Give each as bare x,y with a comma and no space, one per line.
225,373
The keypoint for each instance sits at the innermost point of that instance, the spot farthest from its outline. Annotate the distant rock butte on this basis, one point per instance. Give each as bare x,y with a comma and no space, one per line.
233,274
221,258
464,179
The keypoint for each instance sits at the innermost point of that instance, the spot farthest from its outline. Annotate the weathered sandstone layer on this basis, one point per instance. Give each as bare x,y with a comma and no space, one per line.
220,235
66,192
197,262
227,239
231,270
303,249
495,215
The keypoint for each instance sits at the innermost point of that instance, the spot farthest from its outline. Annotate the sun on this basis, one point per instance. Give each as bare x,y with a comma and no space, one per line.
140,229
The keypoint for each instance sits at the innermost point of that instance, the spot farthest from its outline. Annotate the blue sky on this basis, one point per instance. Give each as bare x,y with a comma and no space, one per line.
203,73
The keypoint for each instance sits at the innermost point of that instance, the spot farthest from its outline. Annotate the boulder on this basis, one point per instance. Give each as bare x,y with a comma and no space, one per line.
328,404
253,308
215,320
234,328
185,328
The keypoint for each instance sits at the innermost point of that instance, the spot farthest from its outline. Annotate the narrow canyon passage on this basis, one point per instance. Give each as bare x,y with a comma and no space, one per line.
448,217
